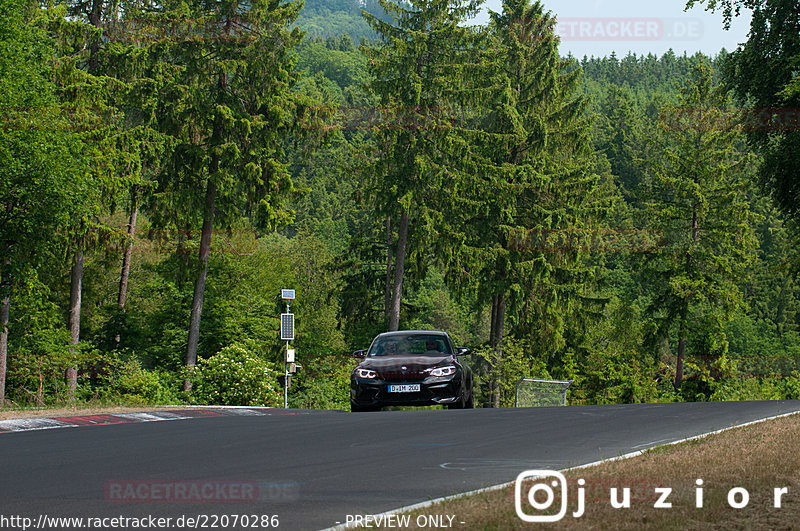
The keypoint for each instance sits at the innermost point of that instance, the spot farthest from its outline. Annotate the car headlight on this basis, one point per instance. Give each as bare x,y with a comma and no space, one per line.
443,371
366,373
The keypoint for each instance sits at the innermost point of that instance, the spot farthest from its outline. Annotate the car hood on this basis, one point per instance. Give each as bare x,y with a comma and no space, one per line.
404,366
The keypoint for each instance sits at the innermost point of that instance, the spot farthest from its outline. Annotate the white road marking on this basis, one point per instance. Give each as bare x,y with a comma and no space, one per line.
32,424
651,443
146,417
15,425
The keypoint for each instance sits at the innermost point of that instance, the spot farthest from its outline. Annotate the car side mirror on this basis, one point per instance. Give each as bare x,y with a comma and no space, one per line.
463,351
360,354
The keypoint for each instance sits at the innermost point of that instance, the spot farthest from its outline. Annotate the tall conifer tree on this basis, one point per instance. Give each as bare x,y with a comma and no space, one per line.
418,68
92,94
695,197
531,187
763,73
227,109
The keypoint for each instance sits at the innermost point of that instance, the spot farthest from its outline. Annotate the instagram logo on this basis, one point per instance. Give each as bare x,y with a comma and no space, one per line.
545,486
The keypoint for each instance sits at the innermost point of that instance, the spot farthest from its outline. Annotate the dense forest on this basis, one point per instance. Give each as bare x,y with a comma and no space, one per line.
166,168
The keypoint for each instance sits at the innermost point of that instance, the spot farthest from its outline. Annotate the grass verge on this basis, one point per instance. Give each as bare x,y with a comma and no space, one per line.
759,458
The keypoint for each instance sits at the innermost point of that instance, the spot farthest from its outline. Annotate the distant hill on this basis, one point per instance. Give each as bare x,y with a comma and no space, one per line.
330,18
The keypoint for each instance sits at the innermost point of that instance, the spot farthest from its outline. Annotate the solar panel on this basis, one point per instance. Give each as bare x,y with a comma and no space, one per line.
287,326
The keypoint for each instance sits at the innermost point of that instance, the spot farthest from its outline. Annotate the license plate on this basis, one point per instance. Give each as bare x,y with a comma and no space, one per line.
405,388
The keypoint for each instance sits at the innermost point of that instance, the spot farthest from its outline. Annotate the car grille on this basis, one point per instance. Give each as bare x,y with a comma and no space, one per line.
412,373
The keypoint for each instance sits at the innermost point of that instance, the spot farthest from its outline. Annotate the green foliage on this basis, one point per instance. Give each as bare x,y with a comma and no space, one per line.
226,108
757,350
131,384
321,392
331,18
226,133
771,291
644,77
763,73
520,360
485,137
242,303
619,128
44,184
532,182
235,376
154,325
39,343
433,308
754,388
419,79
342,64
308,267
614,371
322,383
695,199
363,270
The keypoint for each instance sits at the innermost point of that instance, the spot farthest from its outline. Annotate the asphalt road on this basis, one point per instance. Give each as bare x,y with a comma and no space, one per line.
313,468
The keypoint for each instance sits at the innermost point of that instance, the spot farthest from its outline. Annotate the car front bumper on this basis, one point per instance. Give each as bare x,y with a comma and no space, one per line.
433,391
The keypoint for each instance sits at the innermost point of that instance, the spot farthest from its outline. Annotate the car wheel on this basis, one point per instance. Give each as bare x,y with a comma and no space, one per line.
461,404
470,401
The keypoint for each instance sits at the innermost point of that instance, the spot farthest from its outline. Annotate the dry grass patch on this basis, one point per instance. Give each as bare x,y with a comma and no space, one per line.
758,458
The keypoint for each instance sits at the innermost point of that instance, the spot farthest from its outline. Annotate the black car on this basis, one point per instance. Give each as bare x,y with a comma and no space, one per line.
411,368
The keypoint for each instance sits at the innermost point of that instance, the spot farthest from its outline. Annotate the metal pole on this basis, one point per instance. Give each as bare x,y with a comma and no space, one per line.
287,334
568,383
286,380
286,371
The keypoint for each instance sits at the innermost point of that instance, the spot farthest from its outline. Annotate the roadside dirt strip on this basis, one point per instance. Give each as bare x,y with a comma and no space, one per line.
28,424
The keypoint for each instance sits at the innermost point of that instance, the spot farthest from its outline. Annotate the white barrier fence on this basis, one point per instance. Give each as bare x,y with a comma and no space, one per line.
532,392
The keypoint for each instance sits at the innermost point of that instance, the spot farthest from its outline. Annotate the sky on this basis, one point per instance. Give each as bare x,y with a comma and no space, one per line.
598,27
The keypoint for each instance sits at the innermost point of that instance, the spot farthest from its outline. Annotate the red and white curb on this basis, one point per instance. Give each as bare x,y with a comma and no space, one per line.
17,425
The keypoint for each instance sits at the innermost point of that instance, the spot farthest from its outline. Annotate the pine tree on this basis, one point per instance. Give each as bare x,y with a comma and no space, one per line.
92,97
227,108
418,68
125,56
695,199
617,135
532,186
763,73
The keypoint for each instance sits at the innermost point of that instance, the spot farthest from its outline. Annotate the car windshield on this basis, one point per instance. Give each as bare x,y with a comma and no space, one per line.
410,345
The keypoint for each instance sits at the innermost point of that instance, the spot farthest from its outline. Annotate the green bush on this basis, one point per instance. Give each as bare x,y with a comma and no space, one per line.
519,361
323,393
748,388
235,377
791,386
131,383
323,383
